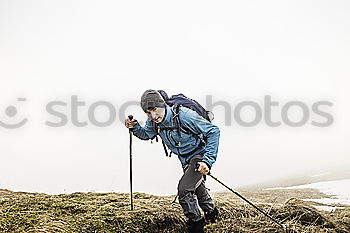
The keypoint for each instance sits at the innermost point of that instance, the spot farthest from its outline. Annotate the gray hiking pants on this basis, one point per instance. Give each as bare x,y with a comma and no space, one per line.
193,193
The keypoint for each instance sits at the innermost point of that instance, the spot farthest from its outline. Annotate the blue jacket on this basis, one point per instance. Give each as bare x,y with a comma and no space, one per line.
184,144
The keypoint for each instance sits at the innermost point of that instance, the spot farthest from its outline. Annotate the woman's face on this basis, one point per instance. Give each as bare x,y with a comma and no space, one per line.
156,114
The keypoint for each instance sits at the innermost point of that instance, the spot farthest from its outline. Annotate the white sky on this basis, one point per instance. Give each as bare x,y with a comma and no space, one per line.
114,50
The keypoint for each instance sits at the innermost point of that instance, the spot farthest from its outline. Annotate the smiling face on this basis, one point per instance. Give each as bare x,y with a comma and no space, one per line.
156,114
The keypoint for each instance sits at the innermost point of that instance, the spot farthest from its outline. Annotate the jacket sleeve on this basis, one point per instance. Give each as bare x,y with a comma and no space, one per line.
145,133
197,124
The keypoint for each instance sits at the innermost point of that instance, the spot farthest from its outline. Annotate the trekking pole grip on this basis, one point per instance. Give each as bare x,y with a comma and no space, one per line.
130,118
196,169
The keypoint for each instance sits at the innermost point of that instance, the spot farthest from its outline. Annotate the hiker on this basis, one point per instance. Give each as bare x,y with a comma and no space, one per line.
195,140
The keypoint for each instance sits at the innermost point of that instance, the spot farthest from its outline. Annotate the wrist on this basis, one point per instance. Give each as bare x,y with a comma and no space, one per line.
208,165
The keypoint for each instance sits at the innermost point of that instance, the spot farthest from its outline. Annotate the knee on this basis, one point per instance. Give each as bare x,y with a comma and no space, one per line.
181,191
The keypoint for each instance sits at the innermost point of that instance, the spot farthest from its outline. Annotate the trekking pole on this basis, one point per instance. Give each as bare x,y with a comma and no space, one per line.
245,199
130,133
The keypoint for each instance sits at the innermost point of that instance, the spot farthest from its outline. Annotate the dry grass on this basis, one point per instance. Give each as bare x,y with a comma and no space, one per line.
110,212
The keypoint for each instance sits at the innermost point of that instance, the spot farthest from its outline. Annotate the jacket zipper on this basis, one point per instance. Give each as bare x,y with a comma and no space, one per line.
178,144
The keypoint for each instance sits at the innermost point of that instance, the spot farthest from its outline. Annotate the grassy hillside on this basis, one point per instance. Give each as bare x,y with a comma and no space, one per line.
110,212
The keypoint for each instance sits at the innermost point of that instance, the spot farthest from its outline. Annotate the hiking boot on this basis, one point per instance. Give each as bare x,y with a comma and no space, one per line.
212,215
196,227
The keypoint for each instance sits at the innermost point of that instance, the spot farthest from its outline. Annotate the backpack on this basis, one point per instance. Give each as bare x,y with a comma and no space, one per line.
175,102
181,100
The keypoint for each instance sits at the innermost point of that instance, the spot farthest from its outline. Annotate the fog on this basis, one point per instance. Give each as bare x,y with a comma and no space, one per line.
111,51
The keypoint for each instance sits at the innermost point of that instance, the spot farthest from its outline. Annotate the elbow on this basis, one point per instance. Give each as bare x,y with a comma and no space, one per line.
216,132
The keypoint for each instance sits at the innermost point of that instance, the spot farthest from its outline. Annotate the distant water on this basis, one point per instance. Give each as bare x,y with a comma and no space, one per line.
339,189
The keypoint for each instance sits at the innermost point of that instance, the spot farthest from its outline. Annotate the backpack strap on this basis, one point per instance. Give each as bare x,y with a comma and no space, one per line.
158,129
166,150
176,117
179,127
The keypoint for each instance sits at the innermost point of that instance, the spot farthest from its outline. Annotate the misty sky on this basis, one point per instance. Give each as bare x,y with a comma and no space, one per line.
114,50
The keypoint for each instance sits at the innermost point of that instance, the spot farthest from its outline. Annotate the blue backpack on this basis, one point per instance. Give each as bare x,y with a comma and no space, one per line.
175,102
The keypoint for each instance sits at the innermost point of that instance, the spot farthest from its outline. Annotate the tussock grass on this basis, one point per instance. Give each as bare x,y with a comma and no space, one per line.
110,212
